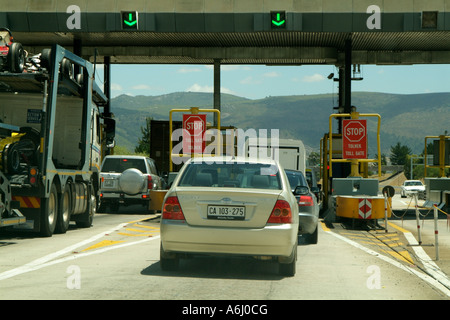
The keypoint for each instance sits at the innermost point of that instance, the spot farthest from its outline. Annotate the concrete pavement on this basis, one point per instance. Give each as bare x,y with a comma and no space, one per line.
430,243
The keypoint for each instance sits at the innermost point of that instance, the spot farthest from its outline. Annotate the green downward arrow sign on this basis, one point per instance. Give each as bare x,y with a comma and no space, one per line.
278,22
130,22
278,19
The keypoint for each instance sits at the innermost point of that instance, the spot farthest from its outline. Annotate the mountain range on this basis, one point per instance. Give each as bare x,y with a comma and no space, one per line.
404,118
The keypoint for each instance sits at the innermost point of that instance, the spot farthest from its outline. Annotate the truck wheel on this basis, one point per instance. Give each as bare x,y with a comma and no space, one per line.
65,210
49,213
88,216
16,57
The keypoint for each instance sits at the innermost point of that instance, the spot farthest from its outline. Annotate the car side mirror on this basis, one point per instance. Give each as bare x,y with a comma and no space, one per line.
301,190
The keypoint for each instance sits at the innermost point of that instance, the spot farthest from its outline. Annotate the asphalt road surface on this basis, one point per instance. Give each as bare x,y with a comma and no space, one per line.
118,258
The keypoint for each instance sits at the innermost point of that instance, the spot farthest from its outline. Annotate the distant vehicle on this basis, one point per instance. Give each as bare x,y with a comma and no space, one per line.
127,180
410,187
314,186
236,207
308,208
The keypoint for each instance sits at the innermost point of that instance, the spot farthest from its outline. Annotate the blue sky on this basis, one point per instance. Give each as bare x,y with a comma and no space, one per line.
256,81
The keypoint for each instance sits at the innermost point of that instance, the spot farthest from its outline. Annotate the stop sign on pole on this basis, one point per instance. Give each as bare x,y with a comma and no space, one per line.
354,139
194,126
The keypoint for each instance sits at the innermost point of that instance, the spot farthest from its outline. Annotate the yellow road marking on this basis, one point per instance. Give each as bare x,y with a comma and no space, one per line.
135,235
401,255
136,230
146,227
398,228
103,243
324,227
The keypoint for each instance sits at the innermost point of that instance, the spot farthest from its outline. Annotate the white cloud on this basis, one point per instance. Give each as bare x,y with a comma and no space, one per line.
199,88
250,80
116,87
271,74
141,87
230,67
314,78
189,70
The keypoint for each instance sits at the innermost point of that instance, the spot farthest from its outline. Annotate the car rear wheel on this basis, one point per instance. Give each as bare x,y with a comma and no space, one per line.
313,237
168,261
288,269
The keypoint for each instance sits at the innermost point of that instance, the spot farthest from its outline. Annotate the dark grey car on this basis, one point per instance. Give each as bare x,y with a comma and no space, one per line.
308,208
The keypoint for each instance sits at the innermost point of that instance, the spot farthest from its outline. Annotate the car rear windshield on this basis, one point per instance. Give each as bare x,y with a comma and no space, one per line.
119,165
413,183
296,179
231,175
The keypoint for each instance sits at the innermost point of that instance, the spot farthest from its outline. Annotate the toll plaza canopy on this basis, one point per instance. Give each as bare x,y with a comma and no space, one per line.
290,32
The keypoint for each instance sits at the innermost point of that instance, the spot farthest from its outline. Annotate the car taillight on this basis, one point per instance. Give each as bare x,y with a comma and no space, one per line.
149,182
281,213
306,201
172,209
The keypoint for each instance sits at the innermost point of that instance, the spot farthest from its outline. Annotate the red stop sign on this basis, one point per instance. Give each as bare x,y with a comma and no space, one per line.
354,139
194,127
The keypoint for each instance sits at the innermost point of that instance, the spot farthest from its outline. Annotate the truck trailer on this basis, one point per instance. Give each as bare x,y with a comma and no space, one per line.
53,137
290,153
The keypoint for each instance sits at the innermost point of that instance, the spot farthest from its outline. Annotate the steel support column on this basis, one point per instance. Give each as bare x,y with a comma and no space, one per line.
216,88
107,84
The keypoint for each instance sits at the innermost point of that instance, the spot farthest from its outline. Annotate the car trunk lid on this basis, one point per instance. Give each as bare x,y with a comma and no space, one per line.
227,207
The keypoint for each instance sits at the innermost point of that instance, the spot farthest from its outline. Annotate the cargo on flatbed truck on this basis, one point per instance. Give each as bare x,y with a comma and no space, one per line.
53,136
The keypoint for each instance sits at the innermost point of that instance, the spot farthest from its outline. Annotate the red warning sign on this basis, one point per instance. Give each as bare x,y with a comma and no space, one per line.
354,139
194,127
365,208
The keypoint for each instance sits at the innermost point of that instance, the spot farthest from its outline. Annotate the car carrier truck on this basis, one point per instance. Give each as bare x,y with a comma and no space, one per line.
53,136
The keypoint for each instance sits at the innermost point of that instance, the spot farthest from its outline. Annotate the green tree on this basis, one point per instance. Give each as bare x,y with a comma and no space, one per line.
399,154
313,159
143,146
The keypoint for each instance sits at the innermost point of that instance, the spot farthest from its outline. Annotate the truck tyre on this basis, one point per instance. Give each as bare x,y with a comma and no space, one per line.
16,56
64,210
11,158
88,217
49,213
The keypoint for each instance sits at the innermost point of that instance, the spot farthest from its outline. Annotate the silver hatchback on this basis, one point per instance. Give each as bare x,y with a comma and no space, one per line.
229,206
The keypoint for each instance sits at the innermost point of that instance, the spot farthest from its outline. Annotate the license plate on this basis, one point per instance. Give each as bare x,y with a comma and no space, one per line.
108,183
226,212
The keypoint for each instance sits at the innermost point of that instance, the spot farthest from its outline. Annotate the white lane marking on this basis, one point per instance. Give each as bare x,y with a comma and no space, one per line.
430,266
44,261
432,281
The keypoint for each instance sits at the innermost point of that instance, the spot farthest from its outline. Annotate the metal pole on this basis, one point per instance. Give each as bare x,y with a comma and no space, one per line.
417,219
217,101
385,212
436,231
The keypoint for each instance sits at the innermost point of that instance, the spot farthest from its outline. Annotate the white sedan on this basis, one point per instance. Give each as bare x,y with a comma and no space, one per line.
223,206
410,187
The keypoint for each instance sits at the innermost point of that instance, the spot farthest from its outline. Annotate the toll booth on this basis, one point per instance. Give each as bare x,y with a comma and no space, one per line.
349,193
438,189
